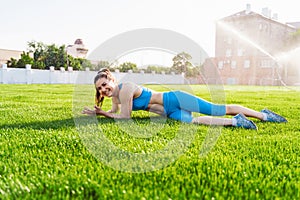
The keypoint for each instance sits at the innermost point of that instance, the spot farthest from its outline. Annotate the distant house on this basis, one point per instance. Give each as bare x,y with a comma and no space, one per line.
77,50
6,55
245,49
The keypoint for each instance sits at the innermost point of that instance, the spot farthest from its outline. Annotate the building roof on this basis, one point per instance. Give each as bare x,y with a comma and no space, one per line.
294,24
6,54
245,13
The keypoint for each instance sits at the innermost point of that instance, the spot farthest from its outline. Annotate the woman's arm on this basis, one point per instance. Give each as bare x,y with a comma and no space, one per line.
115,105
125,97
98,111
126,107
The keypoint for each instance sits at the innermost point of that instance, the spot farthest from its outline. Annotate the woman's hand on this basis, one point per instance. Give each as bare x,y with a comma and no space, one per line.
96,111
99,111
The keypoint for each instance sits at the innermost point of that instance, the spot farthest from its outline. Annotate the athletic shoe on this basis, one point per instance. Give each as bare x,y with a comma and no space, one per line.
242,121
273,117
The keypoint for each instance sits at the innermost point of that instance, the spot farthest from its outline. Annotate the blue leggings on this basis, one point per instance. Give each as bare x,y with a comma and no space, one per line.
179,105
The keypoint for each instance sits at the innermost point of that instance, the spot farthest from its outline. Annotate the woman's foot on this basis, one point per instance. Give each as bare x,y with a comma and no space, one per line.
270,116
241,121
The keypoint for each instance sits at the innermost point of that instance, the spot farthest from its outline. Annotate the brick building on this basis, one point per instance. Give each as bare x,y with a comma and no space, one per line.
245,50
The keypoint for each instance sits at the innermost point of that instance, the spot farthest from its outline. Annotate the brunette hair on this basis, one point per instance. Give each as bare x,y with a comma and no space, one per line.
102,73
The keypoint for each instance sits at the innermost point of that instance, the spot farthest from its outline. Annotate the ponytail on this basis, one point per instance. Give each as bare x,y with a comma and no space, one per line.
98,99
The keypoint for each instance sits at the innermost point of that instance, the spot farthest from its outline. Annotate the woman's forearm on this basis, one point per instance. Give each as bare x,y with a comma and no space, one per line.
112,115
111,111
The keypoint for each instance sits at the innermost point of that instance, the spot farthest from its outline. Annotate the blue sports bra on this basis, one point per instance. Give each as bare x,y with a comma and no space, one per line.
142,101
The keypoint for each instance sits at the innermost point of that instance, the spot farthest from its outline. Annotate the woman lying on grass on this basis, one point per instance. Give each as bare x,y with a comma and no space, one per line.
176,105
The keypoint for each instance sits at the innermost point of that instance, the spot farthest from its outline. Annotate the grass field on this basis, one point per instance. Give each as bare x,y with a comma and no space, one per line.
44,156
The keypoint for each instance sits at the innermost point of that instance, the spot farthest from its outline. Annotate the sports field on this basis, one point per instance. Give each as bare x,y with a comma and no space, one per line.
44,156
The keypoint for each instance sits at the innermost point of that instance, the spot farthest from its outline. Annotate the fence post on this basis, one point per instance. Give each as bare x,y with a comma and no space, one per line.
4,73
51,74
62,75
28,73
70,74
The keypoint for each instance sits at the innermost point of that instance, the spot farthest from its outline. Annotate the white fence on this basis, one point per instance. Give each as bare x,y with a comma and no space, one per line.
35,76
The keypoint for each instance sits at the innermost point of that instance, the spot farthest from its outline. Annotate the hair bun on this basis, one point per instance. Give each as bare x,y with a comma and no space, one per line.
104,70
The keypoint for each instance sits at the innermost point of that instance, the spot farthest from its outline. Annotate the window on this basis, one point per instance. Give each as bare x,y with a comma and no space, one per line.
220,64
228,52
229,40
233,64
231,81
266,63
247,64
240,52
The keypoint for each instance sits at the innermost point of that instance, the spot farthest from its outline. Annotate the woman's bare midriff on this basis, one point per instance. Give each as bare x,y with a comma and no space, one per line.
156,98
156,103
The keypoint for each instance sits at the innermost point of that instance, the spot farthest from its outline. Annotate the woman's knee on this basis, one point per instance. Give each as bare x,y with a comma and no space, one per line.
233,109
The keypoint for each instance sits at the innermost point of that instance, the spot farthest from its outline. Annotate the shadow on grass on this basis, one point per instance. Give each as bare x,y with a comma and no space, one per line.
83,120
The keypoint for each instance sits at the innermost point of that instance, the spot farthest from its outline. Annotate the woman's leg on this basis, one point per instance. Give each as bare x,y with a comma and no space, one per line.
207,120
236,109
189,102
238,120
264,115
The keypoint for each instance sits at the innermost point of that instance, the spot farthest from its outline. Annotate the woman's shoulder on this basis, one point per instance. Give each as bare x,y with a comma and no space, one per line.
130,88
129,85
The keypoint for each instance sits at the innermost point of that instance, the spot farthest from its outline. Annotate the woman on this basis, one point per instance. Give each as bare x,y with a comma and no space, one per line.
177,105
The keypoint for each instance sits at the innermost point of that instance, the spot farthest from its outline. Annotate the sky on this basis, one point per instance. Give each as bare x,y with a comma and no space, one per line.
96,21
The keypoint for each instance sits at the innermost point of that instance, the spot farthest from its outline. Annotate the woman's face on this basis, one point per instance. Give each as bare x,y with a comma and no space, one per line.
105,86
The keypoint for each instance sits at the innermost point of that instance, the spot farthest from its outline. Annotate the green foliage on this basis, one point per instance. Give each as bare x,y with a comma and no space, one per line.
158,69
43,156
45,56
101,64
79,63
181,62
125,67
25,59
193,71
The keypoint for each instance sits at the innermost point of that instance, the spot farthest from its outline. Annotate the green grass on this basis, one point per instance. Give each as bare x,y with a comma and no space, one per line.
45,154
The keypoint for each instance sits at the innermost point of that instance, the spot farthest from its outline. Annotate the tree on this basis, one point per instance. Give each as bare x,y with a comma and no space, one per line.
21,63
76,63
158,69
102,64
84,64
181,62
45,56
39,54
53,55
125,67
48,55
194,71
